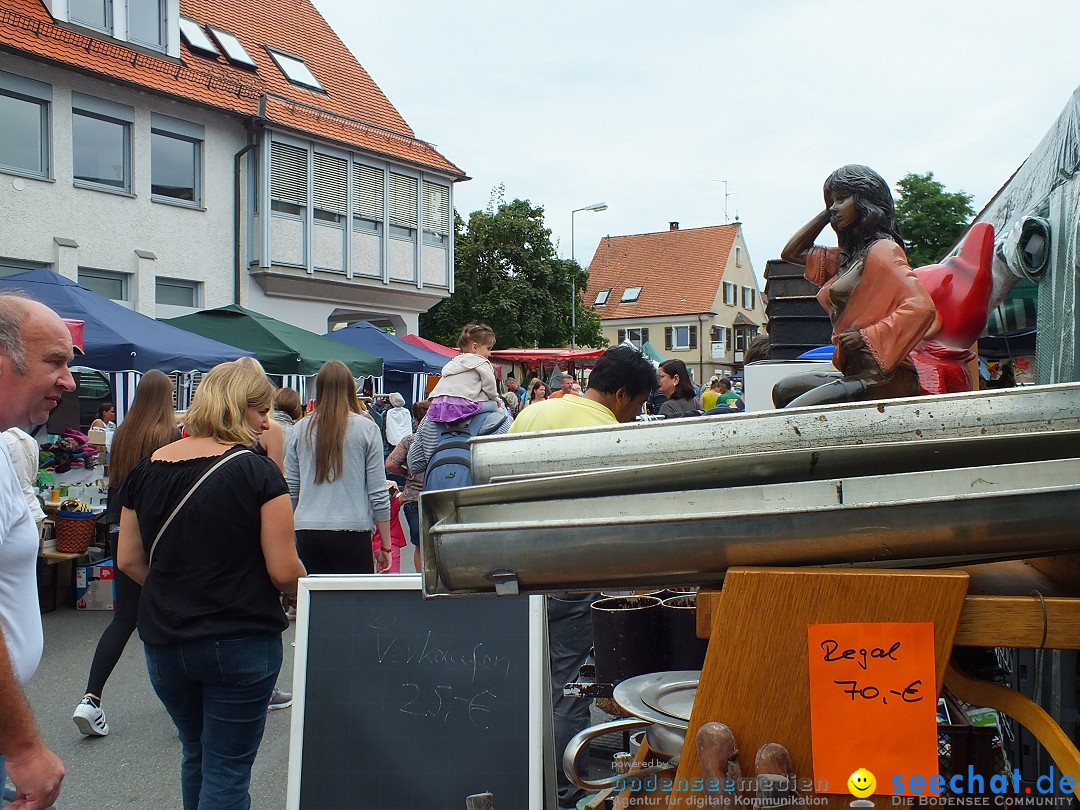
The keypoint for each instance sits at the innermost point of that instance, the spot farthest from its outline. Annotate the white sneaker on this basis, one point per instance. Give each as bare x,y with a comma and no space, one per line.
90,719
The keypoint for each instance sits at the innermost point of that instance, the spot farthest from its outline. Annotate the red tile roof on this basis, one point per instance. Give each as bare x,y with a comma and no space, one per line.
679,271
353,111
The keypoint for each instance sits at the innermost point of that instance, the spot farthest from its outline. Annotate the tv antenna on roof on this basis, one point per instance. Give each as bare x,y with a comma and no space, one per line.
727,194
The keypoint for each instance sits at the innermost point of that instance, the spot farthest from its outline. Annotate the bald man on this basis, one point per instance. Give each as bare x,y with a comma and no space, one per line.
35,349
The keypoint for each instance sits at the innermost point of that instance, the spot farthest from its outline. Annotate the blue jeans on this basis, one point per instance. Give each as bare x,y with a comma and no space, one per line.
412,517
216,691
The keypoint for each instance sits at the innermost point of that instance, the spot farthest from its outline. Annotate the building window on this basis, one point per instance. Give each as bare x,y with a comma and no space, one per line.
368,198
288,179
91,13
436,213
680,337
630,295
731,294
639,337
749,297
101,143
24,138
9,267
738,257
176,292
234,50
740,340
330,188
106,283
175,160
295,69
196,38
404,196
601,299
146,23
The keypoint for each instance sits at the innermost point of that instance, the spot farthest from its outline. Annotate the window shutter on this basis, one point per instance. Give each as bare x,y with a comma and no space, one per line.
693,337
644,336
403,199
667,338
367,192
436,209
753,298
288,174
622,335
330,189
727,339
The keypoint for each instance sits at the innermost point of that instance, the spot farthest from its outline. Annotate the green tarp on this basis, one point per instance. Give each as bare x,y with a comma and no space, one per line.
650,351
281,347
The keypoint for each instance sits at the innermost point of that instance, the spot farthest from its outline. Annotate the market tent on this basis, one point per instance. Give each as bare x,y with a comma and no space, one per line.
281,347
545,355
117,338
397,355
430,345
650,351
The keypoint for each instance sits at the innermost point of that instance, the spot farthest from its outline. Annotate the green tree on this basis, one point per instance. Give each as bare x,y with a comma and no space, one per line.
507,274
930,218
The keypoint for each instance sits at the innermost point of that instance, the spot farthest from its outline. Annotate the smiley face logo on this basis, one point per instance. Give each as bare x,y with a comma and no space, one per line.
861,783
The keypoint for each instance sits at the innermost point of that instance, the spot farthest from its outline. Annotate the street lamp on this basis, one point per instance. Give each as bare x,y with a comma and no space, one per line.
573,283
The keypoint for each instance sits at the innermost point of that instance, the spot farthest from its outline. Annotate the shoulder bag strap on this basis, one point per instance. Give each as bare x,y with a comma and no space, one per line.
225,459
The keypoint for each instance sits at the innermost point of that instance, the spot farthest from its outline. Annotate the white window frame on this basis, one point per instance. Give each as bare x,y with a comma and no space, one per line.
163,34
602,297
194,286
113,113
436,218
676,345
232,47
403,205
738,256
295,70
751,294
110,275
630,295
731,294
179,130
32,92
641,337
196,37
110,20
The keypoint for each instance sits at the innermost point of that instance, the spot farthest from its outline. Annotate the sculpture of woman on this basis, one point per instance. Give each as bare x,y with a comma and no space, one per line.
879,309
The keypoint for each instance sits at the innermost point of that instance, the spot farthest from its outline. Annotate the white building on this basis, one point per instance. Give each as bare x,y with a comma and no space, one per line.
179,155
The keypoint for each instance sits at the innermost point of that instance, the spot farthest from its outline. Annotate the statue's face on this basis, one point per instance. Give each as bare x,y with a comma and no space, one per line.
842,211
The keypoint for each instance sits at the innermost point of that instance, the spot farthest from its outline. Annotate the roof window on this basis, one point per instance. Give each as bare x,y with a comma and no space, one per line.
630,294
234,51
196,38
295,69
601,298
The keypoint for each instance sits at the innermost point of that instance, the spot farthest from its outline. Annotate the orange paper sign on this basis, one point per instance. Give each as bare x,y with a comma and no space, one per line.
872,701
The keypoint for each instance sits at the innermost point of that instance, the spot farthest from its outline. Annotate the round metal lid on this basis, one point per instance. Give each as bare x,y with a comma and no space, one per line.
671,692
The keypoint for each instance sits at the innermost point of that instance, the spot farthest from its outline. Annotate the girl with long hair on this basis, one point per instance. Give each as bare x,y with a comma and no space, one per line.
150,423
206,527
879,309
333,459
537,392
673,379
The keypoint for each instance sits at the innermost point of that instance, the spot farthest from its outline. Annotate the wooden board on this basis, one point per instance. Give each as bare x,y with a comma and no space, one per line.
755,677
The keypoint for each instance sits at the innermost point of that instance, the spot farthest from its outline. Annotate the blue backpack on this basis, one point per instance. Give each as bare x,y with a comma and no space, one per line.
450,466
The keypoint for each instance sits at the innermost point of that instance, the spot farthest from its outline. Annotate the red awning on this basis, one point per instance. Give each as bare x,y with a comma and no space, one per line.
430,345
545,355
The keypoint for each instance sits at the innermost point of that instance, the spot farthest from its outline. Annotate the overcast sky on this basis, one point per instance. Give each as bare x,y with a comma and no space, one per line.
648,106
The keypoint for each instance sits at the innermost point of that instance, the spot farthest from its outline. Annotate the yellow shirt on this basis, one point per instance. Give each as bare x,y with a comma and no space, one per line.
708,399
565,412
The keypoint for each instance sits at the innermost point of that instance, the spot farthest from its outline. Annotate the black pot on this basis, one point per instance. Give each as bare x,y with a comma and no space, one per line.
684,649
628,637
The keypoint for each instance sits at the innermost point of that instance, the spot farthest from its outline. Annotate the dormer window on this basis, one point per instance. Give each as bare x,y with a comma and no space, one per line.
295,70
196,38
234,51
92,13
601,298
146,23
630,295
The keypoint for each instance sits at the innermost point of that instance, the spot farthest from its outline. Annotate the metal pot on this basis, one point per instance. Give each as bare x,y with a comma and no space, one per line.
661,703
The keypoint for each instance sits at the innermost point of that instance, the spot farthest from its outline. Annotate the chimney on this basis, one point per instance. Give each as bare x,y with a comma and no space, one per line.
673,226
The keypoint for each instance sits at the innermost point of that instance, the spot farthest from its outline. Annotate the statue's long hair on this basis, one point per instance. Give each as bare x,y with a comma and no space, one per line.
873,201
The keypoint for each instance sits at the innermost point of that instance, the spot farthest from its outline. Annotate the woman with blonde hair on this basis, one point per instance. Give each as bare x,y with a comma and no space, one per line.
150,423
206,528
272,440
333,459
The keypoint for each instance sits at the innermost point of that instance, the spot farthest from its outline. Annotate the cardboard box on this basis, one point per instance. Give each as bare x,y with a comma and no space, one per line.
54,584
95,586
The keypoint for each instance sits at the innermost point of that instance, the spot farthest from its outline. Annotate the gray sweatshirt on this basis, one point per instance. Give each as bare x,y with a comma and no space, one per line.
354,501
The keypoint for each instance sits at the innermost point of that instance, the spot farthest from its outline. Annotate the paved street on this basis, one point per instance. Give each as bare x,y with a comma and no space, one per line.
138,764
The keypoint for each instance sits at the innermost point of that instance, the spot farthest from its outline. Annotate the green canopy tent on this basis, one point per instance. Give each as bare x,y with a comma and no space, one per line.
650,351
281,347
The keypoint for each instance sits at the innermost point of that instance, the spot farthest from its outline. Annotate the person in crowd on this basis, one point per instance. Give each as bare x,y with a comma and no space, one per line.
467,385
398,420
727,396
150,424
513,404
206,528
618,387
106,417
35,349
397,536
674,382
397,463
512,387
879,308
337,482
710,394
537,392
566,386
272,440
288,409
25,454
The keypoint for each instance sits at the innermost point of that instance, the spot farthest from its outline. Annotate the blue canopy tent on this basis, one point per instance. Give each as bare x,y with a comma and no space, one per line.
405,367
118,341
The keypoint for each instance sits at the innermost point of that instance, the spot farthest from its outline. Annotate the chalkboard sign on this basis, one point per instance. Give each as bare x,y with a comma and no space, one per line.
402,703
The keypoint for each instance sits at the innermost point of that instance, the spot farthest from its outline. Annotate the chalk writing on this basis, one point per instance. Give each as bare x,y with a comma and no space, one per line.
390,649
420,703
